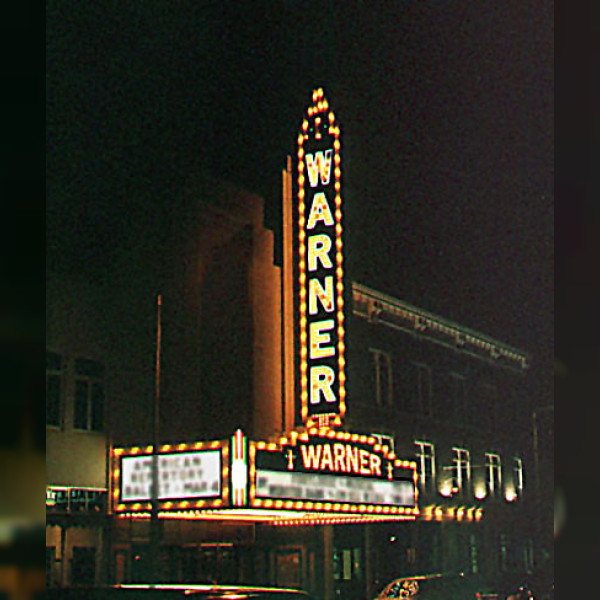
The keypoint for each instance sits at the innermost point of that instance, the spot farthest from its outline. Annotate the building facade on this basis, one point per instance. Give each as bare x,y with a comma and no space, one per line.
458,402
451,399
413,393
77,364
220,357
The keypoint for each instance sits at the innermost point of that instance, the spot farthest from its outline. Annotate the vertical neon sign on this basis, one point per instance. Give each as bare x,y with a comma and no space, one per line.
320,272
239,468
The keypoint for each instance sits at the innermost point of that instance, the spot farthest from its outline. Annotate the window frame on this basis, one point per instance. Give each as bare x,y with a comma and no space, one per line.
385,439
459,396
489,398
425,403
461,467
518,474
493,473
93,382
377,355
426,484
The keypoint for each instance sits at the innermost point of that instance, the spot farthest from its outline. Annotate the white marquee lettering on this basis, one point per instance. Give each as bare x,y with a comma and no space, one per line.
319,164
317,338
327,458
311,456
321,380
319,211
318,248
341,458
325,296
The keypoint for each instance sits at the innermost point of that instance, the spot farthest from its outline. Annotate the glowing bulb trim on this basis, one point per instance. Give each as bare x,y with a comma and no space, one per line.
318,401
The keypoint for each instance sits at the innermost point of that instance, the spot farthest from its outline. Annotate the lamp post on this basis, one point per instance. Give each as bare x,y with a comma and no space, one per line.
155,524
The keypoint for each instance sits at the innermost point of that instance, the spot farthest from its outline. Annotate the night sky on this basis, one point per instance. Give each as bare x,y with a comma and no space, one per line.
446,110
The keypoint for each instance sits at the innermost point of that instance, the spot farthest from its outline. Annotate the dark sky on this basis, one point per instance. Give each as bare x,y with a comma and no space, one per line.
446,109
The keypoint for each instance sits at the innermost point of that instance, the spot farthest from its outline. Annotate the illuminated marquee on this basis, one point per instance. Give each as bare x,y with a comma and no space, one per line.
189,475
332,471
180,475
320,268
311,477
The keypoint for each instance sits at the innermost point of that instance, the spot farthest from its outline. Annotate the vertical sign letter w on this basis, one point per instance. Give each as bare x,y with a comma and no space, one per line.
319,163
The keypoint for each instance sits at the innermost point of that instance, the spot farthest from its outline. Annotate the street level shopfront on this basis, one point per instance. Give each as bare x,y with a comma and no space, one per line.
264,512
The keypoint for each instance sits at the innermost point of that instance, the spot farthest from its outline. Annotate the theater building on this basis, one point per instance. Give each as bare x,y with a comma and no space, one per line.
313,432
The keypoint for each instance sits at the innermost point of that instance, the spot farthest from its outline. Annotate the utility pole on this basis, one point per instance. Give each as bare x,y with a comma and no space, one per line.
155,524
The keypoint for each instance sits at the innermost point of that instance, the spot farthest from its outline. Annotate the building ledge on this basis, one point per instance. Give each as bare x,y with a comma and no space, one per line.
381,309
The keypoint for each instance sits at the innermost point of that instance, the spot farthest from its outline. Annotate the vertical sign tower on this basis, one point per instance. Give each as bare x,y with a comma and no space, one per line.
320,268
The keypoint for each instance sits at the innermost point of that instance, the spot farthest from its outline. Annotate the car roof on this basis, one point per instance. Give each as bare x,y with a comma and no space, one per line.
437,579
204,587
426,577
171,590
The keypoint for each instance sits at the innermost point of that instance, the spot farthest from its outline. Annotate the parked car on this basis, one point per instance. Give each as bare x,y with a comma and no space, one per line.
519,593
520,586
435,586
175,592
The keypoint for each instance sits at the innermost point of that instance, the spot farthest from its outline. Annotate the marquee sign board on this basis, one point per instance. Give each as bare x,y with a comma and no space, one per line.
189,475
61,499
332,471
320,268
180,475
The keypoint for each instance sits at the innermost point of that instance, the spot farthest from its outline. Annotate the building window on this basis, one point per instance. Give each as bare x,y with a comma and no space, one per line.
424,388
426,462
461,469
89,395
493,477
486,406
518,474
347,563
457,391
53,388
385,440
382,363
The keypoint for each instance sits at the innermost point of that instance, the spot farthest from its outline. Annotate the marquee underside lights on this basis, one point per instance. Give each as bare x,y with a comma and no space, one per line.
320,268
436,512
279,518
